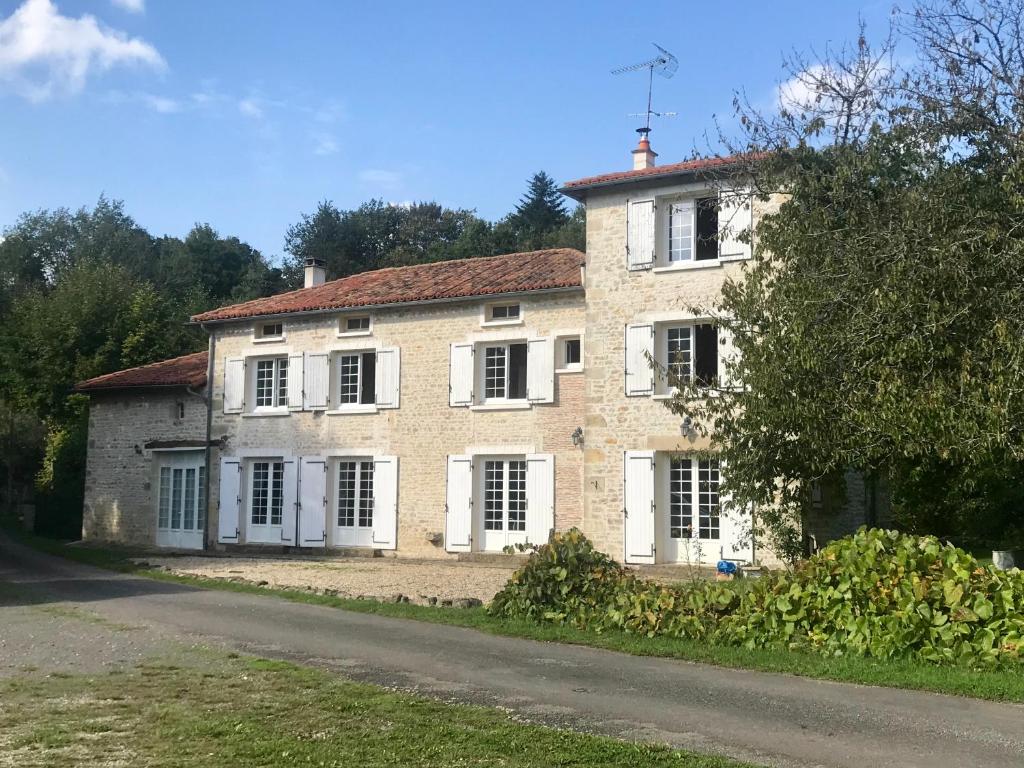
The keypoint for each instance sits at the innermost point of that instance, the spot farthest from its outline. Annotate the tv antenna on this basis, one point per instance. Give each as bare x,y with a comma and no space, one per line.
665,64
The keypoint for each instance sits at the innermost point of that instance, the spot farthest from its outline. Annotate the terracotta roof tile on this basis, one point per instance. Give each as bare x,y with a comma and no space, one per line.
688,166
185,371
463,278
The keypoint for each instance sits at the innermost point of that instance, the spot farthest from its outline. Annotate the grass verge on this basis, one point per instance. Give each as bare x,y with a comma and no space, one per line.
225,710
1003,684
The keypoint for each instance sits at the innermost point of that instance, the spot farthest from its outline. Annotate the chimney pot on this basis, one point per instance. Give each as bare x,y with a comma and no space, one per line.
643,155
315,273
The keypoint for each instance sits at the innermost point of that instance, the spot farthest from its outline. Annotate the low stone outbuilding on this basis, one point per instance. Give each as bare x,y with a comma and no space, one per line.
145,480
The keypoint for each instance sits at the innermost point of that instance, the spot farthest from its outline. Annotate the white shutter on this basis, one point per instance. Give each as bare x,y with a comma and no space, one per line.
295,382
735,216
234,384
640,234
460,375
316,381
727,356
385,502
229,500
540,497
388,377
734,525
639,373
290,500
638,506
312,501
458,518
540,371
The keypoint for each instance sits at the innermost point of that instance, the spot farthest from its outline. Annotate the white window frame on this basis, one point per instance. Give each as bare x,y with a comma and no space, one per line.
277,395
259,336
662,329
361,502
562,365
344,332
488,319
336,382
481,372
663,221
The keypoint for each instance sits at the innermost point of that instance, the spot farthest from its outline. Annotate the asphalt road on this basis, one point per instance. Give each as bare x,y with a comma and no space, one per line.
764,718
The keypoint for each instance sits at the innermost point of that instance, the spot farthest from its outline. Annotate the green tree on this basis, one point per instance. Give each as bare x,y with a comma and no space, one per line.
885,333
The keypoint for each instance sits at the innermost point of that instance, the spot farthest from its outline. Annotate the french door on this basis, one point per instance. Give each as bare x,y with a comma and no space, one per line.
266,501
502,509
354,503
181,500
693,519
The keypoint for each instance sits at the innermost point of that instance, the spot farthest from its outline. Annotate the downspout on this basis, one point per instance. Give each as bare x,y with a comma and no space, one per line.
212,348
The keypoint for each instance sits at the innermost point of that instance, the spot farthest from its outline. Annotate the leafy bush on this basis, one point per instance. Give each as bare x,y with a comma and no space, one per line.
876,593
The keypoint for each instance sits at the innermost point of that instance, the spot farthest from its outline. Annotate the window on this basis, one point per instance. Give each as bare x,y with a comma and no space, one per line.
357,374
694,510
691,353
572,351
272,382
690,230
266,497
505,372
505,495
271,330
179,410
568,353
356,325
503,313
355,494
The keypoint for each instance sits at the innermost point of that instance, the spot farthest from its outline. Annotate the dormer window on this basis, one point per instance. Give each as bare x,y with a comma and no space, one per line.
270,331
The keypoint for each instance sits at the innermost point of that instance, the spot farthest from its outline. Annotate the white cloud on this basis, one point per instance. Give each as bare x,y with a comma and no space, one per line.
161,104
381,178
325,145
250,107
43,53
132,6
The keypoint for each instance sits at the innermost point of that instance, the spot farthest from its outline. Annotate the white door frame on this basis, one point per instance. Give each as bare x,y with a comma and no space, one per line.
184,498
494,540
355,535
260,533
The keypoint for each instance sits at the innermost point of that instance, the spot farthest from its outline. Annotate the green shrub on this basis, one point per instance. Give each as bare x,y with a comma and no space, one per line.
877,593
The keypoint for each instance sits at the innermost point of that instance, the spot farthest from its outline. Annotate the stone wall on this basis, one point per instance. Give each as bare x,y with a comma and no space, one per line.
424,430
120,500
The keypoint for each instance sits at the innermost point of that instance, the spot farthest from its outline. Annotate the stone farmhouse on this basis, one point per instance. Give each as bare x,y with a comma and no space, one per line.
452,408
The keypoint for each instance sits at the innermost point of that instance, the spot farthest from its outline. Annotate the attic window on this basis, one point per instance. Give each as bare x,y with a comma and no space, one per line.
355,325
271,331
502,314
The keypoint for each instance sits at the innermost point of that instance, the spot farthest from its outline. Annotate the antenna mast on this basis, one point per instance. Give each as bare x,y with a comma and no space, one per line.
665,64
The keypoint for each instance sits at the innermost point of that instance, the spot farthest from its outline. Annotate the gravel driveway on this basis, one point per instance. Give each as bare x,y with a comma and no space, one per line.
379,578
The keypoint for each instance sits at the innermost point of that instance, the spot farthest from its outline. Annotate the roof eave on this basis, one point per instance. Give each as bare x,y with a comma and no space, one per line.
388,305
127,387
578,192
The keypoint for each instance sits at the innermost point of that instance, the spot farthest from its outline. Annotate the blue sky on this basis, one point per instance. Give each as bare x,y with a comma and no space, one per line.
245,114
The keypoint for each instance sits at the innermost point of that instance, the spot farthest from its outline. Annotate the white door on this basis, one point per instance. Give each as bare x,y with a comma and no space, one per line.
181,500
693,527
353,502
501,511
266,501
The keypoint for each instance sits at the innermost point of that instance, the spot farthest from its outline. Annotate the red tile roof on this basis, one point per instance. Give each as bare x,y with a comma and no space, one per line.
185,371
463,278
572,188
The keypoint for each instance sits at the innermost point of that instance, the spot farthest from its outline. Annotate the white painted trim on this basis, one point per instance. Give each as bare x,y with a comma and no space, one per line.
728,259
510,336
682,266
498,405
491,323
270,351
268,340
354,408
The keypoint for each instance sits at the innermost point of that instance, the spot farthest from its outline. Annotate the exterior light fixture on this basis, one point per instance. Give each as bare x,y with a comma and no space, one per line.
577,437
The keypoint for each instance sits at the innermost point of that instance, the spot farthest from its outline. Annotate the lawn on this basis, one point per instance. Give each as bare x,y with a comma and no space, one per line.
220,709
993,684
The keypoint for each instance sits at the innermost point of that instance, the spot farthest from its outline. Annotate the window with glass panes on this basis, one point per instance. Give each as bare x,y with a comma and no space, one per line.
181,498
355,494
272,382
505,495
357,378
694,510
691,352
505,372
266,496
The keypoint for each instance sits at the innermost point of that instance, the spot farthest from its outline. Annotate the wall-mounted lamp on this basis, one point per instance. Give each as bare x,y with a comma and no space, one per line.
138,450
577,437
686,427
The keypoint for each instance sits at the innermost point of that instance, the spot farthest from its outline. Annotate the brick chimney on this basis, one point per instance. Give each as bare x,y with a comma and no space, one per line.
643,155
316,273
